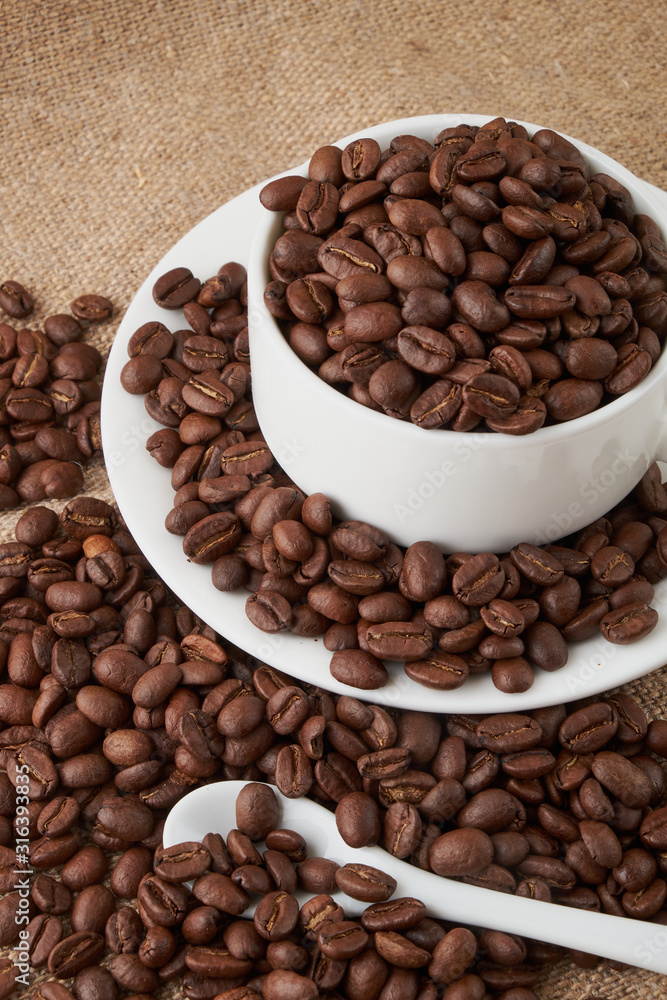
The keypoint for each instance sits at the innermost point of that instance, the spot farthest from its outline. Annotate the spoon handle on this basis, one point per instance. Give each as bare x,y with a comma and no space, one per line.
211,808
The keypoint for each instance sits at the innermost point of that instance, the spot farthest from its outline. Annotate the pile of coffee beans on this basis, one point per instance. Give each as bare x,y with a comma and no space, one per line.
292,952
444,617
115,702
49,398
483,280
557,804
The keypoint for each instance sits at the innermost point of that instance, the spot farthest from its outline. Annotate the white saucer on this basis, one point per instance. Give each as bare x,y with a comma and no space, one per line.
144,495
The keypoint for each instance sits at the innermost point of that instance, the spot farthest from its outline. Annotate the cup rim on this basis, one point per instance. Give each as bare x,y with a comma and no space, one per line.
258,266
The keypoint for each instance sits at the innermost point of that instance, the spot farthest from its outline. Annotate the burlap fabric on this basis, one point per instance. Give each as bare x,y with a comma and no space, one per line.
124,124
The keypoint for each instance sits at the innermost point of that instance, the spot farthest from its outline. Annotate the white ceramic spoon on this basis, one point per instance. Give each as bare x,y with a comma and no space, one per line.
212,809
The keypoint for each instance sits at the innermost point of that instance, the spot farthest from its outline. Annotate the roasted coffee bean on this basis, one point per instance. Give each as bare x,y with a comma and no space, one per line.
44,933
358,668
15,300
88,866
256,811
126,818
358,820
452,955
92,909
628,623
317,875
461,852
182,862
76,952
402,829
589,729
92,308
276,916
217,890
173,289
478,580
124,930
342,940
365,883
509,733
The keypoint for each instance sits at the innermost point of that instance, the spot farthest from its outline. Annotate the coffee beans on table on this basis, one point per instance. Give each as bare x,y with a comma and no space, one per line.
485,280
49,398
563,803
287,950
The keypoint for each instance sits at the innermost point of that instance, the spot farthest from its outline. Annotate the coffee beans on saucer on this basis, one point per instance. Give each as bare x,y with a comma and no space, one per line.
445,616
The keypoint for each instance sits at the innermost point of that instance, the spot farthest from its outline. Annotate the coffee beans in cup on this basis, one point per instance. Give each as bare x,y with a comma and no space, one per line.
484,280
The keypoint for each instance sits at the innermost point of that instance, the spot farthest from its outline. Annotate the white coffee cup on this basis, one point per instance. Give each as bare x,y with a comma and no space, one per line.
473,491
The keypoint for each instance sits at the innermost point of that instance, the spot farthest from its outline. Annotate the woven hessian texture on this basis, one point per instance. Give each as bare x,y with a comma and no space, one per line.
124,124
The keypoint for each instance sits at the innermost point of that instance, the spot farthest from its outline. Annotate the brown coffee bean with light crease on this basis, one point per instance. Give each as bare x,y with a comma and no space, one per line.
589,729
426,349
124,930
342,939
402,829
536,565
479,579
49,851
44,932
398,641
437,405
276,915
74,953
269,611
293,773
182,862
365,883
15,300
628,623
92,308
490,395
173,289
316,913
509,733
